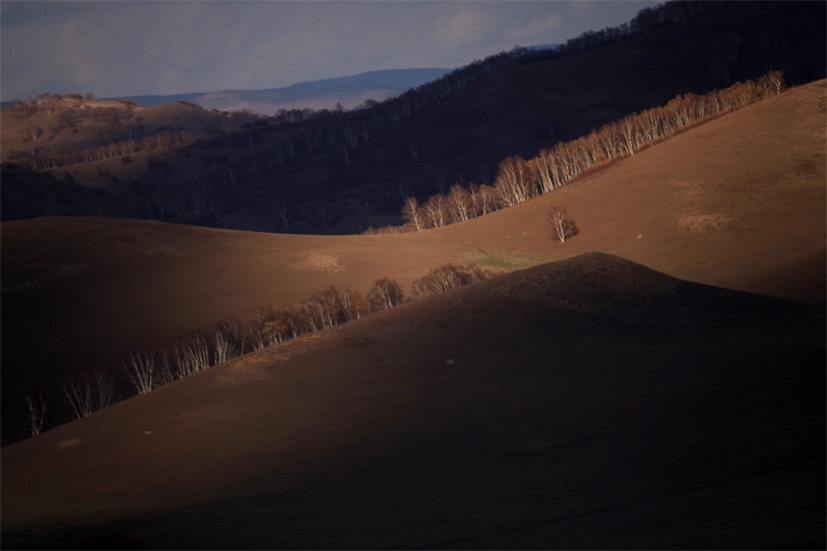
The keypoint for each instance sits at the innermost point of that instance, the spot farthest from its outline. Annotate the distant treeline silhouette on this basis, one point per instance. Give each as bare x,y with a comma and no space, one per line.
347,130
518,180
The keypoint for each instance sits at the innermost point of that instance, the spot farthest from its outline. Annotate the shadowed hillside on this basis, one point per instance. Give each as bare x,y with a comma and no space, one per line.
588,403
737,202
28,194
519,111
341,174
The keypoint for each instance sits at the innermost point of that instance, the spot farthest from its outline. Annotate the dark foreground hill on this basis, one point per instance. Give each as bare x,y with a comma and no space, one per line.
588,403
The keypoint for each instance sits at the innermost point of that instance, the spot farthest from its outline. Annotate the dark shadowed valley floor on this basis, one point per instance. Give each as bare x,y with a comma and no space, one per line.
588,403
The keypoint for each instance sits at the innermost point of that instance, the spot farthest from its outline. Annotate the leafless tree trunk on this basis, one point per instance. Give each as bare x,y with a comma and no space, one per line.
89,392
193,355
436,211
514,181
385,293
283,214
164,373
460,203
412,213
777,80
198,195
216,206
141,370
227,340
560,225
35,407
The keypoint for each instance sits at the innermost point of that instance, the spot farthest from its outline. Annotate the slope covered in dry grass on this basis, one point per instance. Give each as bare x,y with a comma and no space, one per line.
737,202
87,292
547,408
72,124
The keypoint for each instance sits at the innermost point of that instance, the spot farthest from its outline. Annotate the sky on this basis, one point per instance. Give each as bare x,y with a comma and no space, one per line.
120,48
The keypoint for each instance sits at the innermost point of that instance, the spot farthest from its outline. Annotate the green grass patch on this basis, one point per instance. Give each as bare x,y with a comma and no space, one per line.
509,261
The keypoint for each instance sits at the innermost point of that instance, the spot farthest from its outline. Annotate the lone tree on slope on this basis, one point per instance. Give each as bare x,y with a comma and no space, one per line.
560,225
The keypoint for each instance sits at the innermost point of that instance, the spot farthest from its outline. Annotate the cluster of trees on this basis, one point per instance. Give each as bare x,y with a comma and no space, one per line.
346,131
518,180
167,138
89,391
447,277
146,370
22,107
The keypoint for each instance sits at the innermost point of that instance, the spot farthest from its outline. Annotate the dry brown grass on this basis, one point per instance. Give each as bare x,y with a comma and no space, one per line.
573,390
91,291
515,412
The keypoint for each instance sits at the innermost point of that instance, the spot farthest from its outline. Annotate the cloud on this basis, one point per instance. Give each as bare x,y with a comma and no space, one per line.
580,8
538,30
168,47
70,59
466,28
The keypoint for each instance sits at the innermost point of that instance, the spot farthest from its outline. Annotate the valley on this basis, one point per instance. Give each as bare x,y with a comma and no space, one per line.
654,380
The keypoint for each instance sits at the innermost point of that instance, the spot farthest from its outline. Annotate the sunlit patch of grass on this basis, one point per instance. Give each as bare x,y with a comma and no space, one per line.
509,260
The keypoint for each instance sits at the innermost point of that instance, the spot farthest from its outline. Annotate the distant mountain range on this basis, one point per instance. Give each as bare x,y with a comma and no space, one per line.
348,91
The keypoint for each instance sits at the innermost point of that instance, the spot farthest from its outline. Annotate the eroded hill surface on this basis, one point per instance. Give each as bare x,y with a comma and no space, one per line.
545,408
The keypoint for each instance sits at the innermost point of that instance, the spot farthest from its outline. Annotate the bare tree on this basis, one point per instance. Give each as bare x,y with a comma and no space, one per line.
88,392
560,225
283,214
164,373
514,181
777,80
448,277
141,370
216,206
35,132
192,356
460,203
354,304
198,195
412,213
385,293
35,408
436,211
227,341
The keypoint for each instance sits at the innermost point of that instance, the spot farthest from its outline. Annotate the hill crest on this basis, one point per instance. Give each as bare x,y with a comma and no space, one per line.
408,400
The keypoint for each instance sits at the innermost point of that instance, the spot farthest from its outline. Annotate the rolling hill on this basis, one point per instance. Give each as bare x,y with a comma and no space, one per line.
349,91
517,110
68,124
737,202
586,403
656,381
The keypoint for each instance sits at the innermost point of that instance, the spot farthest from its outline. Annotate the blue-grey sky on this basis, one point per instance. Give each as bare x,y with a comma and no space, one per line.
113,48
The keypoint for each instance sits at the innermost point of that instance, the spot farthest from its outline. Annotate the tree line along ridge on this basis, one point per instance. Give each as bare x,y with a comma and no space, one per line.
337,129
88,391
518,180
